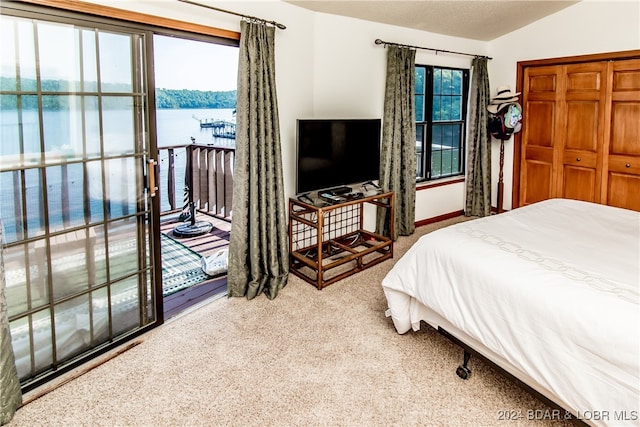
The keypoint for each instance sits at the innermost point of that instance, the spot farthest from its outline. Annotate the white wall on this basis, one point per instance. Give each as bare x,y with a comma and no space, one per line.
329,66
588,27
349,80
294,53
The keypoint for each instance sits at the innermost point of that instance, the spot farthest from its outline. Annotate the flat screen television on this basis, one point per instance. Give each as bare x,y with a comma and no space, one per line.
336,152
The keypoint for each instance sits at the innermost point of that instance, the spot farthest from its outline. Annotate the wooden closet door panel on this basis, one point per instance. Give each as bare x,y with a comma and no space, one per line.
583,121
536,185
624,190
579,183
625,131
623,161
584,101
538,159
540,117
542,82
539,122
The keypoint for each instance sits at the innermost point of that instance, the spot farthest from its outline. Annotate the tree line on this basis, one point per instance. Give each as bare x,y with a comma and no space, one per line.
165,98
184,98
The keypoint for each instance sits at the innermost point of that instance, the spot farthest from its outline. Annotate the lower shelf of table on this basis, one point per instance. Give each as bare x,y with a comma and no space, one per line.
340,257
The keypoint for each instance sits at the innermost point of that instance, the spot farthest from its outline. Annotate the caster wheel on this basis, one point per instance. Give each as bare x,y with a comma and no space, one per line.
463,372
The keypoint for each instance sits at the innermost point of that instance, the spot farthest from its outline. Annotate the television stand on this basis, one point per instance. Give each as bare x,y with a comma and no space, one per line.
343,189
330,242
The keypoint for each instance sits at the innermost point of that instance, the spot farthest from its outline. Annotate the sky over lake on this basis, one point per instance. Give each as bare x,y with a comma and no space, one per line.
187,64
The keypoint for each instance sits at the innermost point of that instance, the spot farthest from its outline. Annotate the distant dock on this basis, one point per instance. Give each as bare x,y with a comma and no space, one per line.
220,128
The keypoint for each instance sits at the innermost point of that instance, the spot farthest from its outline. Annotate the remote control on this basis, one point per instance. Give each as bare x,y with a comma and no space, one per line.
331,197
305,197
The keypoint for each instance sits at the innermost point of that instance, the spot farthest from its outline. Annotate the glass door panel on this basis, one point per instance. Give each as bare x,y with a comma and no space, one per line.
73,177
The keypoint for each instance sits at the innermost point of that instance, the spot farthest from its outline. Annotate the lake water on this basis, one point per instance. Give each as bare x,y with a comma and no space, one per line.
174,127
177,127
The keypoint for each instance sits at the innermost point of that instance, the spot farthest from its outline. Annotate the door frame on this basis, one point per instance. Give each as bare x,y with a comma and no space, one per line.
68,12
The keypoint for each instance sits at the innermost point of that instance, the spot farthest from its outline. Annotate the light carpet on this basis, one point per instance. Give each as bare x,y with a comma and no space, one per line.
307,358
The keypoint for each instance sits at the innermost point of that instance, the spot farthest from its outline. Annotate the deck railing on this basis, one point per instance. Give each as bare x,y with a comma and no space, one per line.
199,173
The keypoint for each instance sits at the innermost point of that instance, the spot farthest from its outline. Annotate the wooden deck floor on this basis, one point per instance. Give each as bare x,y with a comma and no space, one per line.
205,245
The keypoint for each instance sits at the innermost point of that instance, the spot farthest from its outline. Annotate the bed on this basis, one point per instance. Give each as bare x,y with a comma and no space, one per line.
549,292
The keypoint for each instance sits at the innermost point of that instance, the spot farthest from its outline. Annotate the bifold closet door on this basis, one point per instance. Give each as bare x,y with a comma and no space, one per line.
581,139
541,94
622,186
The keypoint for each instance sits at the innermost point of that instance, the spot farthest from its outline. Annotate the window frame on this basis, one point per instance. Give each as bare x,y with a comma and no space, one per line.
95,13
424,156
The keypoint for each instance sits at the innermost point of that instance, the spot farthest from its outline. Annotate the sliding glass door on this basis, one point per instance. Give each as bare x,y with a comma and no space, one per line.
76,178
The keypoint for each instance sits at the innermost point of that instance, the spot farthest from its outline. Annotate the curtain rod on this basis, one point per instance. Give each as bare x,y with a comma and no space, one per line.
274,23
378,41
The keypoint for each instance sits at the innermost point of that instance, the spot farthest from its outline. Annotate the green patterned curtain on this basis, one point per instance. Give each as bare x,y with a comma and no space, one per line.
478,191
10,395
259,246
398,151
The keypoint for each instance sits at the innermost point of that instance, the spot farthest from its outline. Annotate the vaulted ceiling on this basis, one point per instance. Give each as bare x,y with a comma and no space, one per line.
476,19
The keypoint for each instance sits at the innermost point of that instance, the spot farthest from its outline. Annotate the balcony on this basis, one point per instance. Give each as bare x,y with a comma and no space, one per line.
202,174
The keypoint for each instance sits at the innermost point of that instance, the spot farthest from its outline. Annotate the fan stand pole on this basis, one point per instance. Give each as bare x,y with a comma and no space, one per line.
500,177
191,228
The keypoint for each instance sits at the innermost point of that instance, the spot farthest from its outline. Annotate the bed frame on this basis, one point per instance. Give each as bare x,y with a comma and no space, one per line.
464,372
471,346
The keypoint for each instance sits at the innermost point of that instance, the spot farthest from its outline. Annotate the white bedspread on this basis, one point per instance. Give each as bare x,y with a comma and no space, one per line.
553,288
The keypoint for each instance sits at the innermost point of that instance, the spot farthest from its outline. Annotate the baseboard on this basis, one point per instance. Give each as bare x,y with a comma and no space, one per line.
438,218
494,210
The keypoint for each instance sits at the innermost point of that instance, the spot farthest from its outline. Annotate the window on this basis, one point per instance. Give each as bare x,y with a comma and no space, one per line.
441,109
